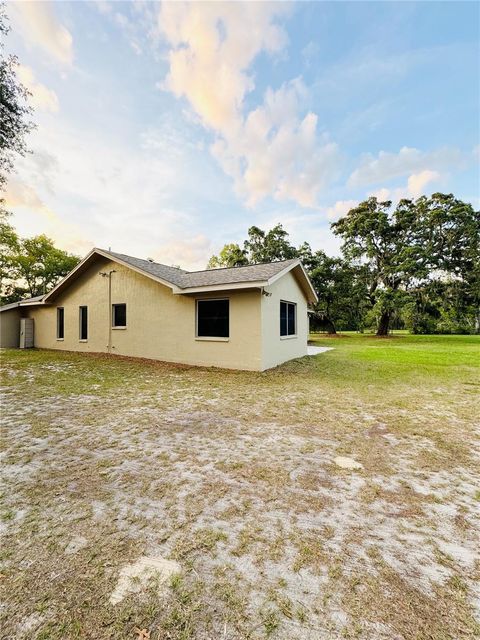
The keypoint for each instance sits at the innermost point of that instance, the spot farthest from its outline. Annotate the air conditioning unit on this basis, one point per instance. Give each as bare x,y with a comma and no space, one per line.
26,333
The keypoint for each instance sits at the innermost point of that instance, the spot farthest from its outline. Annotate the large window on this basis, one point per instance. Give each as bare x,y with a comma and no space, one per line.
83,321
288,318
213,319
119,316
60,323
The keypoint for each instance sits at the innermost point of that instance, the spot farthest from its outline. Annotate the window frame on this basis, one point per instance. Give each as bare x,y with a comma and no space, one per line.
80,311
288,336
211,338
62,337
119,326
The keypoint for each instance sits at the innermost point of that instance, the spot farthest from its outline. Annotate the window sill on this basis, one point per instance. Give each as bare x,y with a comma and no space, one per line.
60,339
211,339
118,328
288,337
83,340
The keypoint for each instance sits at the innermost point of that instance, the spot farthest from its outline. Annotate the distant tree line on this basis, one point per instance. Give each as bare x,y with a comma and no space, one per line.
415,266
29,266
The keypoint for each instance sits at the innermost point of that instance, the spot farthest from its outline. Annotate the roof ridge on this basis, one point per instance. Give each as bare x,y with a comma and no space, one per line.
161,264
185,272
244,266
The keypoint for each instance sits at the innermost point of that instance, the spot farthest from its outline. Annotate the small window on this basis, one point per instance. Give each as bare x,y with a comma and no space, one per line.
288,318
60,323
83,323
213,318
119,315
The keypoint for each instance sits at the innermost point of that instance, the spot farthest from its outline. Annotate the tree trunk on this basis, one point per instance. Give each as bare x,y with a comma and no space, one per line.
330,326
384,324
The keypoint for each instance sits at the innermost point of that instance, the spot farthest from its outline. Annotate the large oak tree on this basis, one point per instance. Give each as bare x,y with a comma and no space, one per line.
410,245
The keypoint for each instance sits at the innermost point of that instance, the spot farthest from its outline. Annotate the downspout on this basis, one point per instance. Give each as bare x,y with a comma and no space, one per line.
110,318
109,312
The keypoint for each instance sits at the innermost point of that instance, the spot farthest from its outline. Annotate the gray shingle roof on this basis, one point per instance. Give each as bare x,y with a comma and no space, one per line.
210,277
170,274
13,305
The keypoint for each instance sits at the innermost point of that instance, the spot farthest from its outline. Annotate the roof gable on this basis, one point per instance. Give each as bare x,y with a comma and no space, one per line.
181,281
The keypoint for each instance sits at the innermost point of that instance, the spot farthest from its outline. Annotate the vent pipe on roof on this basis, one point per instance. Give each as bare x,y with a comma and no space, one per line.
150,260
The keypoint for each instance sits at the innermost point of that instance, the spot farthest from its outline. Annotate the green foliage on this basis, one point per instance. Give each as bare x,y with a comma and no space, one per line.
416,266
407,250
14,112
230,256
9,245
32,266
341,292
269,246
260,246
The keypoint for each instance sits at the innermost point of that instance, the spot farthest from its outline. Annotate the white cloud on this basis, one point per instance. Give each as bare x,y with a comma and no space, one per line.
213,44
416,186
190,252
88,191
278,153
417,182
40,28
388,166
34,217
340,209
274,149
42,97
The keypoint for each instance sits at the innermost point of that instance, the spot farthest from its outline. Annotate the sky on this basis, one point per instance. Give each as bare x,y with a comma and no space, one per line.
166,130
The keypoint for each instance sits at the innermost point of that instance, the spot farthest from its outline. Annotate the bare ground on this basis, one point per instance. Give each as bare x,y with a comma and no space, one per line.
232,475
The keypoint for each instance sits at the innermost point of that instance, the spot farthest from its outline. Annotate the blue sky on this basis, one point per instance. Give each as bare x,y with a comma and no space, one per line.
167,129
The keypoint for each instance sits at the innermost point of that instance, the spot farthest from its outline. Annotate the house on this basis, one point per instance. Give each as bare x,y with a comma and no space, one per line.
252,317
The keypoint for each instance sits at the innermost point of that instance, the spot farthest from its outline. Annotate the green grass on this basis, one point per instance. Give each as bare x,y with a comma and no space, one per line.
232,474
403,356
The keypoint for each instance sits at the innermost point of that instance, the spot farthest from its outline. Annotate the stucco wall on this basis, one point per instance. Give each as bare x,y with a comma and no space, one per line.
160,325
10,328
277,349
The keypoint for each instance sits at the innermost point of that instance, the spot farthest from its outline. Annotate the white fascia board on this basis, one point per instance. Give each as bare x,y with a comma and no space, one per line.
107,255
70,274
297,263
281,273
258,284
27,303
307,277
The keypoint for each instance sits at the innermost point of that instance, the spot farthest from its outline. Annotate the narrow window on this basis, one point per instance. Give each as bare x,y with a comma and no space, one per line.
83,323
60,323
288,318
213,318
119,315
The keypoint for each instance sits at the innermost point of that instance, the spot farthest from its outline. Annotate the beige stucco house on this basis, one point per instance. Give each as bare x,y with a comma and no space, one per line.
252,317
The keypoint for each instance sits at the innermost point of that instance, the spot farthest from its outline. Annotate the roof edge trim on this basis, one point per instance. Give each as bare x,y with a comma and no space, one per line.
113,258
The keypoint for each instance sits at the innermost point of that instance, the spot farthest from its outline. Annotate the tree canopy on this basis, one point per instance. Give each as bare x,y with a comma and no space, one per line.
29,266
415,265
14,108
411,246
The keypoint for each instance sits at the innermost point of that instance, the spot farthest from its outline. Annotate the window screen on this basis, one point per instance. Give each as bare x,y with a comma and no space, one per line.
213,318
288,318
83,323
119,315
60,323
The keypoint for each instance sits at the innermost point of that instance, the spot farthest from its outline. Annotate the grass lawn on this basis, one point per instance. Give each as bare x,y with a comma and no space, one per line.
232,476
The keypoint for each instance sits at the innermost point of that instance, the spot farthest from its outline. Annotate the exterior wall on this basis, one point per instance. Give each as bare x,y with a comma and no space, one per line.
276,349
160,325
10,328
